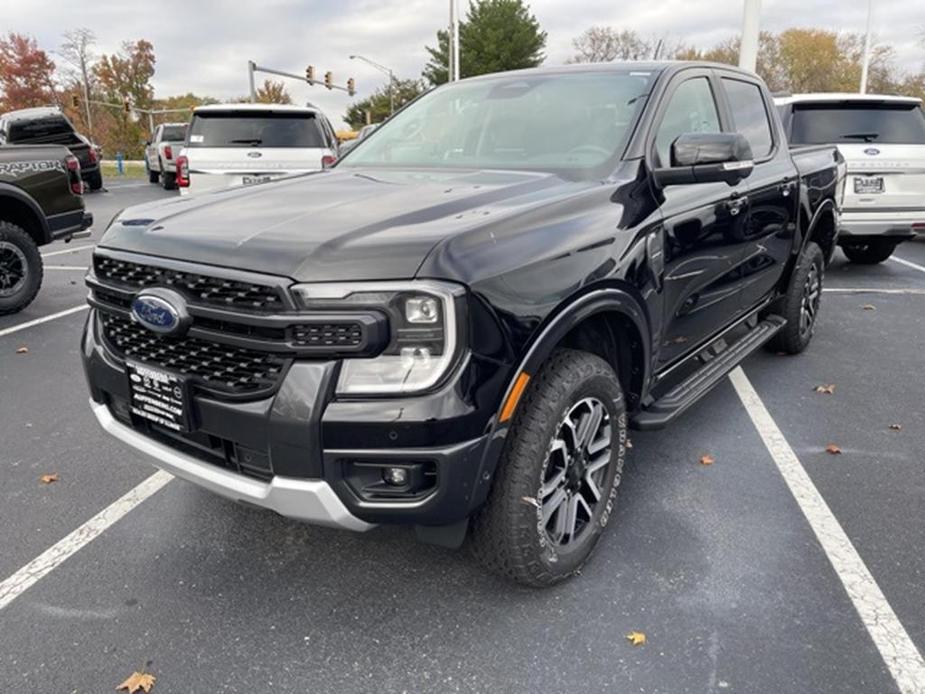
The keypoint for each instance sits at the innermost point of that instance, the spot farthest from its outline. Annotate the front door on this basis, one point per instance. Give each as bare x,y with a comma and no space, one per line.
703,229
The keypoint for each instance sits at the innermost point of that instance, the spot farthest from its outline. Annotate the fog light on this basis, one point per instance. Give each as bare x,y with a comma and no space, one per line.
396,476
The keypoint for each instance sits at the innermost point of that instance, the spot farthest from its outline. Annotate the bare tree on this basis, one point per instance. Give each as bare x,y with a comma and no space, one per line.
77,52
604,44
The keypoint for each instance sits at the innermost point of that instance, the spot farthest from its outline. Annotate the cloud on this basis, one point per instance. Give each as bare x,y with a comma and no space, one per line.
203,45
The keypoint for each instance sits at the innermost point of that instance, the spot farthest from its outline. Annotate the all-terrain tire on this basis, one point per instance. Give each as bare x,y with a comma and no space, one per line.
508,534
18,250
800,303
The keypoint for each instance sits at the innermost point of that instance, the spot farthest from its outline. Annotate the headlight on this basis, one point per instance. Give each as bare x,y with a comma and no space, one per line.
424,332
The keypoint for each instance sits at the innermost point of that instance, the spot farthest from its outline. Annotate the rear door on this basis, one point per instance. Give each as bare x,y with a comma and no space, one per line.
768,233
883,143
703,239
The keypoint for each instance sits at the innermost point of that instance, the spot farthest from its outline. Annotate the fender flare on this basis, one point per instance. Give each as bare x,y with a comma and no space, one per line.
10,191
827,205
565,317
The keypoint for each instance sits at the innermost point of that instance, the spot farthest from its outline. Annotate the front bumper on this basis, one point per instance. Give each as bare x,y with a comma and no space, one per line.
898,224
296,451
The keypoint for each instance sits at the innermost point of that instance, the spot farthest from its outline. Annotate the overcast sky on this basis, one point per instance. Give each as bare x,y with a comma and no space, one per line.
203,45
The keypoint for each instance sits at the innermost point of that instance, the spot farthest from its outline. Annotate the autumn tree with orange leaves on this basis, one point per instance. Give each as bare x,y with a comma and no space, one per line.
26,74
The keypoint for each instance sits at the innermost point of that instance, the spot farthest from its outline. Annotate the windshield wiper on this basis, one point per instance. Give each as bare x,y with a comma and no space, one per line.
867,137
249,141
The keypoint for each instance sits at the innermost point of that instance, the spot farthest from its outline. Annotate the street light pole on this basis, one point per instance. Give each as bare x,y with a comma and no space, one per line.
751,28
387,71
865,66
454,42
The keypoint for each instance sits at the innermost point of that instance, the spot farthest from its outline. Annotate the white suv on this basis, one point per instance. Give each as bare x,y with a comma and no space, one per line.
242,144
882,139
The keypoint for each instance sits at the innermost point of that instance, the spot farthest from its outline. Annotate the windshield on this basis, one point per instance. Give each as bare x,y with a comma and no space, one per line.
174,133
249,129
883,123
574,123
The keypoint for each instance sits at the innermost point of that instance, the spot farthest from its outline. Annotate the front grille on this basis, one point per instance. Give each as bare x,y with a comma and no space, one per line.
202,289
343,334
222,368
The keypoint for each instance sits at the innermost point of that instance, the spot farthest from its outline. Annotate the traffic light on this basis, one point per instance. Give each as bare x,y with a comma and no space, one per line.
351,87
310,74
328,79
126,105
75,101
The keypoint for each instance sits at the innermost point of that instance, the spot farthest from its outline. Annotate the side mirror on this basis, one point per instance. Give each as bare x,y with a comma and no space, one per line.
707,158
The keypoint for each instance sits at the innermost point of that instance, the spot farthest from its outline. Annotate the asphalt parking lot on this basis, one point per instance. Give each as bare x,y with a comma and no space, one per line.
721,566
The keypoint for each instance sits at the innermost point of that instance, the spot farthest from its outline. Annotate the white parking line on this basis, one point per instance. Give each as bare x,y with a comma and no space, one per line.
68,250
870,290
44,319
55,555
907,263
902,658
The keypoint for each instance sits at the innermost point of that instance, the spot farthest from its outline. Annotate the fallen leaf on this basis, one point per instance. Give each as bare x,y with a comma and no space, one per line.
707,460
48,479
138,682
679,340
827,388
869,307
833,449
629,444
22,350
896,427
637,638
530,501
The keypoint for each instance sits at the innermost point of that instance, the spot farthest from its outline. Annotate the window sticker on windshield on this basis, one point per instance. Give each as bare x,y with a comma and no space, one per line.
195,138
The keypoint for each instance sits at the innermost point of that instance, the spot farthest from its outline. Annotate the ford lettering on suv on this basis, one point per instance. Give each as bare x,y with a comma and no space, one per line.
454,327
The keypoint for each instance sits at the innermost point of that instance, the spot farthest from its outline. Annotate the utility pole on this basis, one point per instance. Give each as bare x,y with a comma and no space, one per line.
751,28
454,42
251,66
865,66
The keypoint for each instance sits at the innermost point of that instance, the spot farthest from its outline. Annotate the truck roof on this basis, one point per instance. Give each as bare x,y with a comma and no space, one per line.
35,112
255,107
840,97
657,66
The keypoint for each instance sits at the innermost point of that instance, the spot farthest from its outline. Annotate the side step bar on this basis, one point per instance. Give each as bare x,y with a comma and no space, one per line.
695,386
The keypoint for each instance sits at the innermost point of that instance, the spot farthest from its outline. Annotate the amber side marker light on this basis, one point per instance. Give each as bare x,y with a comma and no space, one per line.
511,403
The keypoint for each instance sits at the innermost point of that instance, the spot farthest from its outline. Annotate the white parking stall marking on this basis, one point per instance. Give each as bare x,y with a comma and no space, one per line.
44,319
58,553
75,249
902,658
870,290
907,263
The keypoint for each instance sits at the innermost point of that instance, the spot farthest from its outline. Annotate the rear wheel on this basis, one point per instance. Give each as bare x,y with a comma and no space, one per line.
558,477
869,252
800,305
153,176
20,268
169,180
95,181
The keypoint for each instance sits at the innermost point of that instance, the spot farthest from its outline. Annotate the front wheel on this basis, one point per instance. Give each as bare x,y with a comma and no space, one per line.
20,268
558,477
870,252
800,304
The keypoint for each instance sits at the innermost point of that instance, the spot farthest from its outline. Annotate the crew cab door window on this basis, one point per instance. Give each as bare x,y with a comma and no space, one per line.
749,115
691,109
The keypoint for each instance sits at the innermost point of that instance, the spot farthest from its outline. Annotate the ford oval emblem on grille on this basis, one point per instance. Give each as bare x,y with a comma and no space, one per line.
255,155
872,151
161,311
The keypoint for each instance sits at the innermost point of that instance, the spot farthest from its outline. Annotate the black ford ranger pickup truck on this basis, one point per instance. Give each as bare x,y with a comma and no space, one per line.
454,326
40,201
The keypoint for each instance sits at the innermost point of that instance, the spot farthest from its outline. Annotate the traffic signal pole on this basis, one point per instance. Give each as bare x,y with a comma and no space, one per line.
328,83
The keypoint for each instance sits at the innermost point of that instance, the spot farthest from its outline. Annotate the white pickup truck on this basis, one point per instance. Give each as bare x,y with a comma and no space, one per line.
162,151
243,144
882,139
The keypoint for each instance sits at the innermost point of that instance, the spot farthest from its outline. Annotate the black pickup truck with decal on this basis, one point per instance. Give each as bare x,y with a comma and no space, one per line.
40,202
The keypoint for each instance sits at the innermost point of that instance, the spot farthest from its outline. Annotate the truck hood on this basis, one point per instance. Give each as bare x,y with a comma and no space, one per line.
332,225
